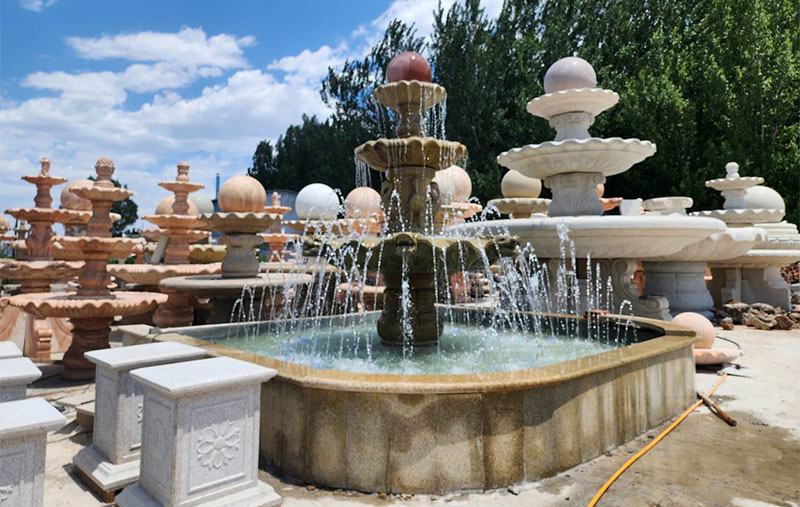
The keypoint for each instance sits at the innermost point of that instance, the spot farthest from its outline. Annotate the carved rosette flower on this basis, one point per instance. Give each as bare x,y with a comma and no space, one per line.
217,445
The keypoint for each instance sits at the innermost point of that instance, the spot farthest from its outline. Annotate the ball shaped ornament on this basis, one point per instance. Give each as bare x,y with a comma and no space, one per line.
462,184
165,206
447,189
408,66
316,202
700,325
72,201
242,194
202,201
516,184
362,202
568,73
761,197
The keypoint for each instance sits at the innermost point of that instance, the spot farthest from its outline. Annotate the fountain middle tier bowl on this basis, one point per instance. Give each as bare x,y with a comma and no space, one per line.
52,215
114,247
607,237
520,207
185,222
485,410
216,285
385,154
593,155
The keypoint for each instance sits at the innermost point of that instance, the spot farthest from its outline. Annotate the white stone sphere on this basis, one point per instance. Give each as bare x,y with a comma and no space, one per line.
203,202
462,184
516,184
316,202
165,206
71,200
761,197
568,73
362,202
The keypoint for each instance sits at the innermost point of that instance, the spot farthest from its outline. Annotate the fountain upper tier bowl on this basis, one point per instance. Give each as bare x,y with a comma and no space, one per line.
589,100
239,222
384,154
612,237
593,155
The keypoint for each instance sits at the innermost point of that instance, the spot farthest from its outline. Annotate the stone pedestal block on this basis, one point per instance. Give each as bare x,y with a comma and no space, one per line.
200,436
112,461
8,350
23,433
682,283
15,375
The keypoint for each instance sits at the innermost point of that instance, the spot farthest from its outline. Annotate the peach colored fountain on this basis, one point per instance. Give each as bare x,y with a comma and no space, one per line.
180,228
33,335
75,224
242,220
92,308
276,238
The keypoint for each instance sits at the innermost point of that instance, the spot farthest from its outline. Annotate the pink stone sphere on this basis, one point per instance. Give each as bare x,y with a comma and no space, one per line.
700,325
242,194
568,73
72,201
408,66
362,202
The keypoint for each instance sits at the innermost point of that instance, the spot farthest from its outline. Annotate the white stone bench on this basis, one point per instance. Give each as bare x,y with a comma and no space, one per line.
23,438
200,436
112,461
9,349
15,375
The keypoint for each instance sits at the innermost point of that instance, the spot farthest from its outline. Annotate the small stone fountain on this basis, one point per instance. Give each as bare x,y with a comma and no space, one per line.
276,239
93,307
242,200
753,276
520,196
181,229
39,271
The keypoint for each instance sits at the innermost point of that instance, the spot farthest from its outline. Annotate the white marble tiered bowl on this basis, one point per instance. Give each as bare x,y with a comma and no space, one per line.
731,243
608,237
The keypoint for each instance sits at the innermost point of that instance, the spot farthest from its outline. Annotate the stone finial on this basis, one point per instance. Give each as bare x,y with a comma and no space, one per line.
45,163
408,66
183,171
104,168
732,170
276,199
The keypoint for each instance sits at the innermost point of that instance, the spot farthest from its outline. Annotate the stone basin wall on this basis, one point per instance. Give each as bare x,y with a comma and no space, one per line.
436,433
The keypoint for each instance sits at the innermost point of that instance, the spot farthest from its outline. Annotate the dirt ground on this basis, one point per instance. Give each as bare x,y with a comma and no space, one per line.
703,462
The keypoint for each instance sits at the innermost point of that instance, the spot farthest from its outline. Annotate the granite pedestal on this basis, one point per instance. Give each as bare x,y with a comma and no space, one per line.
15,375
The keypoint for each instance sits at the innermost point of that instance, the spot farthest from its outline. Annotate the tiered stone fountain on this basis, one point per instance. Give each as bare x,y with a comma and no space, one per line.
181,229
753,276
93,307
572,166
35,336
411,200
680,277
242,220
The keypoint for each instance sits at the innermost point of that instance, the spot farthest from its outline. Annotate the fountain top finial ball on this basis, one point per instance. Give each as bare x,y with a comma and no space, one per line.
242,194
731,170
104,168
568,73
408,66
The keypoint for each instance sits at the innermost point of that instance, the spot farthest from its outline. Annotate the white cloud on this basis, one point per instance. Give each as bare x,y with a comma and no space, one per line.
311,65
36,5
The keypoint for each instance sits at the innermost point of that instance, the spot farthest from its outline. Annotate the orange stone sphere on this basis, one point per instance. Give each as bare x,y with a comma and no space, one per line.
242,194
362,202
700,325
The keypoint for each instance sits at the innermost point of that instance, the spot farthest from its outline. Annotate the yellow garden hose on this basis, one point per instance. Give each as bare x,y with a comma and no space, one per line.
652,444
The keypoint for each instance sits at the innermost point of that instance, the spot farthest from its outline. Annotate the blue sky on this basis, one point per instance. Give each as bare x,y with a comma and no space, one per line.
150,83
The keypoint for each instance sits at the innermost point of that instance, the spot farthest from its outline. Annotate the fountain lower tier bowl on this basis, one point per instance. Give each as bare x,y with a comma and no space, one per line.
70,305
607,237
385,154
389,431
152,274
743,216
520,207
763,258
731,243
39,270
593,155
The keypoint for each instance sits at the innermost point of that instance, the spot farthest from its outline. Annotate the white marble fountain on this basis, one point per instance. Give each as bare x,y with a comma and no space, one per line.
572,166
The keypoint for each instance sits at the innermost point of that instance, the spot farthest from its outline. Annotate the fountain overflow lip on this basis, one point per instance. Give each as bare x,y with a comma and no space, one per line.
669,338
